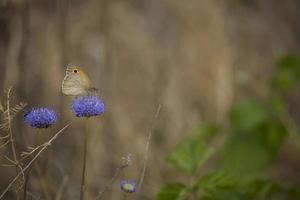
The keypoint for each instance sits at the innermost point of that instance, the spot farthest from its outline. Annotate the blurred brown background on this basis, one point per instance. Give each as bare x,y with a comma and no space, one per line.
184,55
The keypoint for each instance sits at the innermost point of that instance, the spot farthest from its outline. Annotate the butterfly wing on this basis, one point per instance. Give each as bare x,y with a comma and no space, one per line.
76,82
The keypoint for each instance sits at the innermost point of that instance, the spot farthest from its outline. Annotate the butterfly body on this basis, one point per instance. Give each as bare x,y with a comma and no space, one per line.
77,82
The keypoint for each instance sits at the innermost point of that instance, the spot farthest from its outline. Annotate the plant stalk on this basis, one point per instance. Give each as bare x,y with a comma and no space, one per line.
83,175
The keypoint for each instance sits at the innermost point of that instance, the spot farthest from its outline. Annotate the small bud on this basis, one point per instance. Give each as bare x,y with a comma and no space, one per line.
128,186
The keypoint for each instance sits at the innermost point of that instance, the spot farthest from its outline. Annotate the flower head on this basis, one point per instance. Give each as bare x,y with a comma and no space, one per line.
40,117
88,106
128,186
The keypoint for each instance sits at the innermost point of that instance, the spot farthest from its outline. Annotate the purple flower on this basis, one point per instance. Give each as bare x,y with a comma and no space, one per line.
129,186
40,117
88,106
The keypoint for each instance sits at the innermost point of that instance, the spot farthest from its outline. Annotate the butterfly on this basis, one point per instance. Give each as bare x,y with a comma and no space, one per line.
77,82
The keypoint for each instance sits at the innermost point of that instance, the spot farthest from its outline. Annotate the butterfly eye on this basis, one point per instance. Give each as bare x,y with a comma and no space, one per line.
75,71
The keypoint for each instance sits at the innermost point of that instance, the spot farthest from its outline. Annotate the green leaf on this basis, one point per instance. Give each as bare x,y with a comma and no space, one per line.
221,186
173,191
218,186
215,179
256,136
195,150
278,106
244,156
275,133
247,115
287,73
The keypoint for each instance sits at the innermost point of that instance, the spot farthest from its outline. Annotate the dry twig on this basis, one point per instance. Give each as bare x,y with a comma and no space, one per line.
44,147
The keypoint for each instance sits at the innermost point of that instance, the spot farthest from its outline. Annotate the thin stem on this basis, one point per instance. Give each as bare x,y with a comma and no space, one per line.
194,193
27,177
60,191
125,196
85,145
147,148
43,183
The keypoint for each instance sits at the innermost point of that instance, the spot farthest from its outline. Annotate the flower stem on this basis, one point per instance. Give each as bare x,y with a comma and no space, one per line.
125,196
83,186
42,181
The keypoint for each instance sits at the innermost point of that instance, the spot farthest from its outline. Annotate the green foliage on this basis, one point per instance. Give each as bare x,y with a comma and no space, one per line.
214,181
254,141
195,150
287,73
247,116
219,186
257,131
173,191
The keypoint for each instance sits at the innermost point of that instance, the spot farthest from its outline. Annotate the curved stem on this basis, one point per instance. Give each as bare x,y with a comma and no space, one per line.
147,148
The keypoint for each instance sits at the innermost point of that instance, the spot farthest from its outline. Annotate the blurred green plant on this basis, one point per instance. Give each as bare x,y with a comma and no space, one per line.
195,150
287,73
257,130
